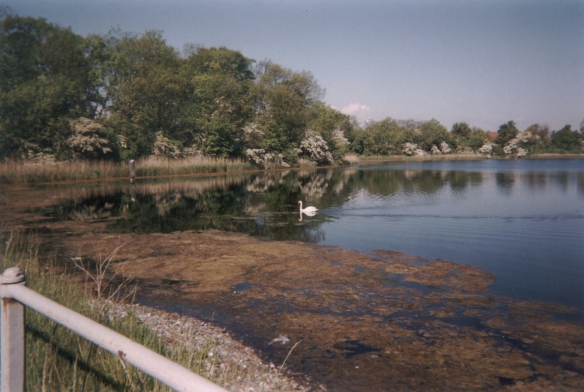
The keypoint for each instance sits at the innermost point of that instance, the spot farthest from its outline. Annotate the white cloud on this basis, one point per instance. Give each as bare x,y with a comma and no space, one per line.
362,112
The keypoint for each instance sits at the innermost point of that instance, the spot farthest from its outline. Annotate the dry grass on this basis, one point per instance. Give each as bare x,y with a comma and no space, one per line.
352,158
12,171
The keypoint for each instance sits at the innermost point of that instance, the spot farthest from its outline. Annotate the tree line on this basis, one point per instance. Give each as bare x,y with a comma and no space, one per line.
409,137
123,96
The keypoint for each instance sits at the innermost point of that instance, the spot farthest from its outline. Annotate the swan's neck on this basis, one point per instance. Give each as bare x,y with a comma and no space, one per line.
300,205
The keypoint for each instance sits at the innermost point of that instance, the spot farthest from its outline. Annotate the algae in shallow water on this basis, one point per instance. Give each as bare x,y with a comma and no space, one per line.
383,322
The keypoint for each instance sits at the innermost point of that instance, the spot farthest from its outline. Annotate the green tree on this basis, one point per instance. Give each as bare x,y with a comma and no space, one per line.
358,142
220,61
147,88
567,140
383,137
333,126
477,139
221,102
431,133
539,133
461,130
45,80
506,132
220,140
282,102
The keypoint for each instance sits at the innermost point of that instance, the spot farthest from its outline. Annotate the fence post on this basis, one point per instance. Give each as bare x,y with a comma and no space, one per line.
13,355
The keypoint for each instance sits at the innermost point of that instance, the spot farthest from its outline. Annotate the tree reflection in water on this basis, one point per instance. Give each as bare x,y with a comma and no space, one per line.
260,205
265,205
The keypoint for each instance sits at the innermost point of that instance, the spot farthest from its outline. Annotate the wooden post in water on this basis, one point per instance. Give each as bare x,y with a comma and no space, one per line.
132,171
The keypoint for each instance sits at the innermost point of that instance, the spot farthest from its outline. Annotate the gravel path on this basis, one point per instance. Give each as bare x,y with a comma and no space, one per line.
224,354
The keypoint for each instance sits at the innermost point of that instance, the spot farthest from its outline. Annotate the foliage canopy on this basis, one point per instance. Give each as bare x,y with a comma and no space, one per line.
124,96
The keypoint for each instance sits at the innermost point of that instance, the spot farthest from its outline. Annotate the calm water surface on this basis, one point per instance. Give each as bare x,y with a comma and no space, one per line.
522,221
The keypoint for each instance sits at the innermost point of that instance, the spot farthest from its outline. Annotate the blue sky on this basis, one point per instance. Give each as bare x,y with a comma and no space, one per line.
484,62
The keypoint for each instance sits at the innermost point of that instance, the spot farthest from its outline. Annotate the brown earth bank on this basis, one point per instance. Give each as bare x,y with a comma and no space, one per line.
349,321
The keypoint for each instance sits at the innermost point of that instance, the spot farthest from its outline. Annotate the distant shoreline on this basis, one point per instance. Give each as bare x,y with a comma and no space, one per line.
554,156
83,171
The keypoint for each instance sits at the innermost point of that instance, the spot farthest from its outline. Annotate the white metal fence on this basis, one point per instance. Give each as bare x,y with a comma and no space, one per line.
15,295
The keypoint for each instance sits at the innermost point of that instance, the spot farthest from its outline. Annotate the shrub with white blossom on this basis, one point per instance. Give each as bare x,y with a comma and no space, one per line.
257,155
512,148
88,140
282,162
527,137
315,148
445,148
163,146
339,137
486,150
252,134
410,149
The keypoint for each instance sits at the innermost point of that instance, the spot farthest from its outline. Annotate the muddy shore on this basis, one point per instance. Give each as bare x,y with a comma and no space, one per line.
385,321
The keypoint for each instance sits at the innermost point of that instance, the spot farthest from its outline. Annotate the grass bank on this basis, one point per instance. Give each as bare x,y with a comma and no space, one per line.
353,160
403,158
57,359
554,156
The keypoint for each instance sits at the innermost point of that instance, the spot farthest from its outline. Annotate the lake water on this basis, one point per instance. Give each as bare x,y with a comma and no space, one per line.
522,221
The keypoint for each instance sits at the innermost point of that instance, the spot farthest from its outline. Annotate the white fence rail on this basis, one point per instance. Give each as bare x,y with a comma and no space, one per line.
15,294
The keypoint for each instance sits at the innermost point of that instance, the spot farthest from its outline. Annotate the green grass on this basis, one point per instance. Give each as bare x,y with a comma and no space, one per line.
58,360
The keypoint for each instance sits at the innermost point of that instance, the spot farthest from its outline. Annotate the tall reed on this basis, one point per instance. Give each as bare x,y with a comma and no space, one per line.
12,171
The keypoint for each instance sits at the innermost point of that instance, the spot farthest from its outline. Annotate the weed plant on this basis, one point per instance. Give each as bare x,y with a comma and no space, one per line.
59,360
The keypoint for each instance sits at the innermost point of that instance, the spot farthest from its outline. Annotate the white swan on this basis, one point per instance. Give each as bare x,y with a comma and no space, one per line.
310,211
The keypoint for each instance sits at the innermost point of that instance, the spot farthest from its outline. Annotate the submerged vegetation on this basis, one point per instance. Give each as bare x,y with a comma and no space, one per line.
121,96
354,321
